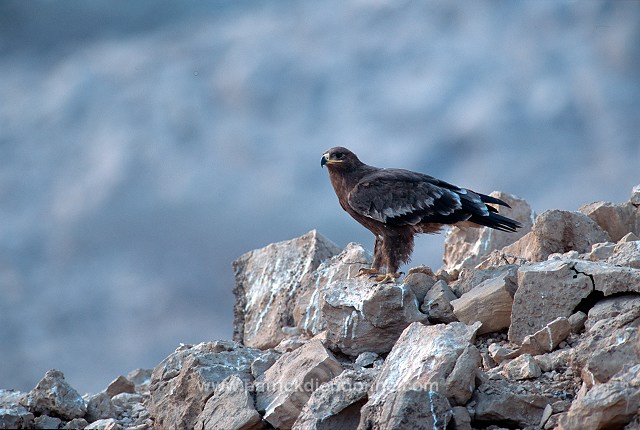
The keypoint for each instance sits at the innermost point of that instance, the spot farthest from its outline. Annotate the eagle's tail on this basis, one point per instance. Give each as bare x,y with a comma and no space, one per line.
496,221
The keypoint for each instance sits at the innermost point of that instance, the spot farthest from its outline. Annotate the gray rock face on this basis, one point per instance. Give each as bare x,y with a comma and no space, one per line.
437,303
182,382
13,415
286,386
557,231
466,247
408,388
54,396
231,407
500,402
268,283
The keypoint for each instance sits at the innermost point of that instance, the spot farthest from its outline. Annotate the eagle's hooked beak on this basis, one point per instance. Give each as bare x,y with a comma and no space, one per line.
324,160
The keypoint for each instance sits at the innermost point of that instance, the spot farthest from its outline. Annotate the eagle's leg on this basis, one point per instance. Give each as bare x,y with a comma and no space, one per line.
377,260
395,250
388,278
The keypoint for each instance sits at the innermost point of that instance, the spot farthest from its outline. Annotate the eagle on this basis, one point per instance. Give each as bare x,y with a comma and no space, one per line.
397,204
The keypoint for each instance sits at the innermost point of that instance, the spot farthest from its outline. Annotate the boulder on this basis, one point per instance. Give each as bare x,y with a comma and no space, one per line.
337,403
420,279
437,303
13,415
522,367
182,382
468,279
490,303
609,405
231,407
365,317
54,396
44,422
268,283
285,387
120,385
465,247
544,340
616,219
625,254
410,392
557,231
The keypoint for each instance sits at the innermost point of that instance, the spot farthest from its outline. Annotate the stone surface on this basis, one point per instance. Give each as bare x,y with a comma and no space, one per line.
105,424
616,219
286,387
120,385
76,424
407,388
468,279
420,279
490,303
522,367
54,396
466,247
45,422
437,303
99,406
268,283
626,254
336,404
544,340
609,405
460,383
13,415
577,321
557,231
461,418
231,407
365,317
182,382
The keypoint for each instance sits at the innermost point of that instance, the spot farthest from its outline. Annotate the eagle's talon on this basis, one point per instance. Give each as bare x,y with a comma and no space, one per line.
389,278
371,272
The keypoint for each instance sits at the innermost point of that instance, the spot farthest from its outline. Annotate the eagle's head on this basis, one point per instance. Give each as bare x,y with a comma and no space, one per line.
339,158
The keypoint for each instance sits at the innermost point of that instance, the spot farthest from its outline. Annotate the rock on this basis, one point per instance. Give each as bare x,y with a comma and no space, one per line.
364,317
288,345
611,307
635,196
366,359
420,279
54,396
466,247
437,303
616,219
99,406
182,382
577,321
76,424
106,424
609,279
13,415
268,283
131,409
140,377
545,339
546,291
230,407
490,303
499,353
546,414
461,418
522,367
120,385
468,279
557,231
626,254
286,387
609,405
45,422
264,362
459,385
307,314
406,389
336,404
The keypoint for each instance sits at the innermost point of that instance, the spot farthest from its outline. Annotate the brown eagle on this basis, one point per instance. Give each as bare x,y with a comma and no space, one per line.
397,204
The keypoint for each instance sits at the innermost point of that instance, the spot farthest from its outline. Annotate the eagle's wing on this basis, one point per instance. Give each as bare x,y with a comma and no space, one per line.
401,197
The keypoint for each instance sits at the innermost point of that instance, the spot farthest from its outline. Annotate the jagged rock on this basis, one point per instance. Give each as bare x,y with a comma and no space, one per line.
626,254
466,247
140,377
577,321
490,303
54,396
546,291
611,307
611,344
367,359
120,385
336,404
365,317
544,340
307,314
268,283
406,389
230,407
499,402
131,409
461,418
609,405
458,386
286,387
44,422
13,415
557,231
615,219
99,407
76,424
555,360
105,424
437,303
610,279
522,367
420,279
182,382
468,279
264,362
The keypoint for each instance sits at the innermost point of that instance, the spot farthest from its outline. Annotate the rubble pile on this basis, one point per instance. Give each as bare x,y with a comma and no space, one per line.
535,330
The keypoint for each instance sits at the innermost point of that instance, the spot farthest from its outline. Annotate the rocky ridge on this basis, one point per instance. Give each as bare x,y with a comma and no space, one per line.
537,330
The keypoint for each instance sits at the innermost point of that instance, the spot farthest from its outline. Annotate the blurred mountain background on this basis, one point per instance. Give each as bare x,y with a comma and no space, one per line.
145,145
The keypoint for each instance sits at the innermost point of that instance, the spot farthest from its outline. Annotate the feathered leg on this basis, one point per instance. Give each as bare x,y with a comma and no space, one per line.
396,250
377,259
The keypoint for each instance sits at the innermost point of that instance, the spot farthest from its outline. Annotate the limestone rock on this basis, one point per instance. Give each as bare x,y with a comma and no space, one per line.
420,279
286,387
336,404
626,254
367,359
609,405
522,367
45,422
557,231
490,303
268,283
418,387
364,317
99,406
230,407
459,383
546,291
466,247
615,219
54,396
610,279
577,321
13,415
307,314
461,418
437,303
468,279
544,340
76,424
120,385
105,424
182,382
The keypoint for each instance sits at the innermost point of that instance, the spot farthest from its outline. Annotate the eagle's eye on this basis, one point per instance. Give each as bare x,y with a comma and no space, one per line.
339,155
